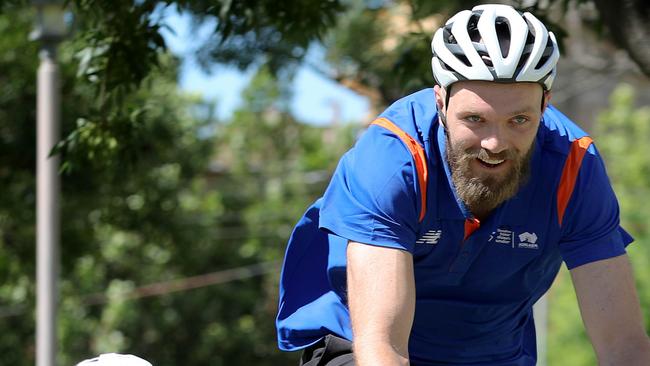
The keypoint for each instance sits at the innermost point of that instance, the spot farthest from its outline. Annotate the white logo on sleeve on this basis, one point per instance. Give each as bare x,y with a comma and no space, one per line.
431,237
528,240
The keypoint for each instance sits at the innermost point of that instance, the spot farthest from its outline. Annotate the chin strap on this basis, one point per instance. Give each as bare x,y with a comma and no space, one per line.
443,119
447,95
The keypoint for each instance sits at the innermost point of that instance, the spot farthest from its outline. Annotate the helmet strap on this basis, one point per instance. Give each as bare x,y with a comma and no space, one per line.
447,95
443,115
544,94
443,119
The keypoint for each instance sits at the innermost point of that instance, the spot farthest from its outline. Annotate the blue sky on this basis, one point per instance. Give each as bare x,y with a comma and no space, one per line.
315,99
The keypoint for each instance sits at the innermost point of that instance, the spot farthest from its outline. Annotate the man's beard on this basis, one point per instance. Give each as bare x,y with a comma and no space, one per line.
482,194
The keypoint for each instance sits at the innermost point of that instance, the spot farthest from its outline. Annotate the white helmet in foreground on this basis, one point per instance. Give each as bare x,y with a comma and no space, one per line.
115,359
494,43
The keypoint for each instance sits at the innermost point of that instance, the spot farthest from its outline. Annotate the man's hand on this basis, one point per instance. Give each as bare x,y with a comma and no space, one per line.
381,297
611,312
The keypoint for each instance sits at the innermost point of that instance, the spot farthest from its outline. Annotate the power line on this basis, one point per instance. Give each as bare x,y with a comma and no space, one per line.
9,311
188,283
166,287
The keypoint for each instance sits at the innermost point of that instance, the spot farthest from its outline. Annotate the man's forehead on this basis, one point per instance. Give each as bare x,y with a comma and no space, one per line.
500,97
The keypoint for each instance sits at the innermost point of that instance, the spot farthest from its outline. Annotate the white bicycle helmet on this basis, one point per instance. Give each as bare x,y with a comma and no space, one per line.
115,359
494,43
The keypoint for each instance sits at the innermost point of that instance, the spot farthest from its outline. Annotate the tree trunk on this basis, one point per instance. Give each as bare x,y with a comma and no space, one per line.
629,23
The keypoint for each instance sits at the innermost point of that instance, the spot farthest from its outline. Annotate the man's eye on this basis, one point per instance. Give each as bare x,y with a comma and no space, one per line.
520,120
473,119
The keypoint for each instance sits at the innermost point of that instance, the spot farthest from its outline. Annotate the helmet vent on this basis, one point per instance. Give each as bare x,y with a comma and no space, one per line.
464,60
487,60
548,51
502,27
472,28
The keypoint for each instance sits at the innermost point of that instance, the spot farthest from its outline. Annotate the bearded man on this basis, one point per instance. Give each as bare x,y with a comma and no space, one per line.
452,215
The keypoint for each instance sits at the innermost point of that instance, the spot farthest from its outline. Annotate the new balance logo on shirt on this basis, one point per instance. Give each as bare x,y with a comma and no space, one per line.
431,237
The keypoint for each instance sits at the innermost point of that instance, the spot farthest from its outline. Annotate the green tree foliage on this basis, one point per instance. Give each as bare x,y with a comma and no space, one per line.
134,222
568,343
275,168
118,42
141,206
116,46
621,135
381,49
17,201
277,31
623,132
141,202
276,165
376,48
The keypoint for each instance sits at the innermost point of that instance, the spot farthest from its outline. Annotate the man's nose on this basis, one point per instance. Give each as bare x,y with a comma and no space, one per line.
494,140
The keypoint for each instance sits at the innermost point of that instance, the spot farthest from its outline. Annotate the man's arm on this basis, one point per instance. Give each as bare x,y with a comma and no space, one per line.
381,297
611,312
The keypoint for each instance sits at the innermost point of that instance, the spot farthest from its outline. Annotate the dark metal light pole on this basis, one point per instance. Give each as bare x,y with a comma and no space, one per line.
50,30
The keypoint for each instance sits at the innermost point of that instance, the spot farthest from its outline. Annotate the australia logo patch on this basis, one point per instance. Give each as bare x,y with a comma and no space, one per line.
528,240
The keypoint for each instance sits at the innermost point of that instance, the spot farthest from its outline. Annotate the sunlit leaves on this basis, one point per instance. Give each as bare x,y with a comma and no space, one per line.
622,133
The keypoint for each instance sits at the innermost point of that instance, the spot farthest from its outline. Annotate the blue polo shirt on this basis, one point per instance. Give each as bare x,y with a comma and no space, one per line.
474,289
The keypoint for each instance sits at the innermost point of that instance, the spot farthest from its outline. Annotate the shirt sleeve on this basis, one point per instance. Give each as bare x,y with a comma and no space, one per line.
591,230
372,197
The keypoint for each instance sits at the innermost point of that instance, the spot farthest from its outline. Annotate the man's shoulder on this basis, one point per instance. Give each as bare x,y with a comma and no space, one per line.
414,113
558,132
416,105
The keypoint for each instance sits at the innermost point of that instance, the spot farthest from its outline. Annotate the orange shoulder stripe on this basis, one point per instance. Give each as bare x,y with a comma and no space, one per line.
570,174
418,157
